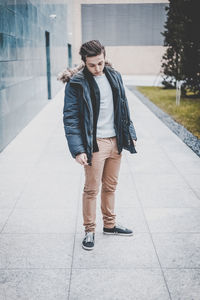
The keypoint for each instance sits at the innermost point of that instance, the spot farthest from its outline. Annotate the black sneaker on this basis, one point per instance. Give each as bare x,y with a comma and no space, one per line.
88,241
118,230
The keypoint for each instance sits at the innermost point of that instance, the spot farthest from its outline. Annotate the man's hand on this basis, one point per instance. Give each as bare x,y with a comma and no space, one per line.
82,159
134,142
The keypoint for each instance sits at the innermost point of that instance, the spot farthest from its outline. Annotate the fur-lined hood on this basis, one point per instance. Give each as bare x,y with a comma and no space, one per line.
67,74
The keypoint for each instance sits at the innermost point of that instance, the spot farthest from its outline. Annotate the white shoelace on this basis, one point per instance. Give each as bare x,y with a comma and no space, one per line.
119,225
89,237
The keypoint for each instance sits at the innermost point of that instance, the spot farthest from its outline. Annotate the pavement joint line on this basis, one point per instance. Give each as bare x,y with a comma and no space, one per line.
17,199
103,268
149,232
92,268
99,234
178,171
38,233
32,169
75,234
36,268
45,146
175,232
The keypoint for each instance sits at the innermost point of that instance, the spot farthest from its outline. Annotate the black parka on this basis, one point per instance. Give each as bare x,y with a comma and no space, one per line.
78,114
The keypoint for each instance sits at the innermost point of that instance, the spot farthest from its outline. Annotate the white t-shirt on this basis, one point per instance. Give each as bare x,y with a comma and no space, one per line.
105,122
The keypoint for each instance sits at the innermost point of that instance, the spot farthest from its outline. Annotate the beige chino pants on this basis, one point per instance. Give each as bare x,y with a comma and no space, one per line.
105,169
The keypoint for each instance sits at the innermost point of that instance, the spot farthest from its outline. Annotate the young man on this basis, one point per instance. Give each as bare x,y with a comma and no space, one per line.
97,127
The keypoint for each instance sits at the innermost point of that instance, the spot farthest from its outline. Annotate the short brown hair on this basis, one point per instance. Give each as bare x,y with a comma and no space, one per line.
91,48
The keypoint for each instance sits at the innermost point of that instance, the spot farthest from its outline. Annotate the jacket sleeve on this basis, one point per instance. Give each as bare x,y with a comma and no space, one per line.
123,94
71,120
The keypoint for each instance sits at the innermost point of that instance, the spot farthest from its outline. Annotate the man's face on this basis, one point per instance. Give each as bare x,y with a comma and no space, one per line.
95,64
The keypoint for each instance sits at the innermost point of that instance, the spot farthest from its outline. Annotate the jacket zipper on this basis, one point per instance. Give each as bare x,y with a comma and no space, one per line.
86,103
91,130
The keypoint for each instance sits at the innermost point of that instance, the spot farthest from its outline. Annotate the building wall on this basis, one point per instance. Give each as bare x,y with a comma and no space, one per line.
130,30
23,64
131,24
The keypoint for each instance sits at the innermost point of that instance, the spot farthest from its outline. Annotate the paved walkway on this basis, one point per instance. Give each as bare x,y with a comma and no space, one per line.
41,221
143,80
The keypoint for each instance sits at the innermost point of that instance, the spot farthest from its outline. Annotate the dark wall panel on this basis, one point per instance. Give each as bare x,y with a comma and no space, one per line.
124,24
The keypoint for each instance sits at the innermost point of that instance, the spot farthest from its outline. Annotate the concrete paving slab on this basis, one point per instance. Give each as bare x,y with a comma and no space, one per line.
34,284
193,181
111,252
197,192
4,215
160,181
11,180
123,169
127,198
165,191
184,284
117,284
26,251
147,165
41,221
178,250
173,219
48,200
50,191
170,197
143,80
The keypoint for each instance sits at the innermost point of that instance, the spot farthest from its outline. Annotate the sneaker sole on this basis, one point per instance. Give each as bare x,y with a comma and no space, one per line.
116,233
87,248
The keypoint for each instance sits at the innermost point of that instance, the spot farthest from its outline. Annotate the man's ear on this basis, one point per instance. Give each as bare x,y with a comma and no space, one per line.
108,63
